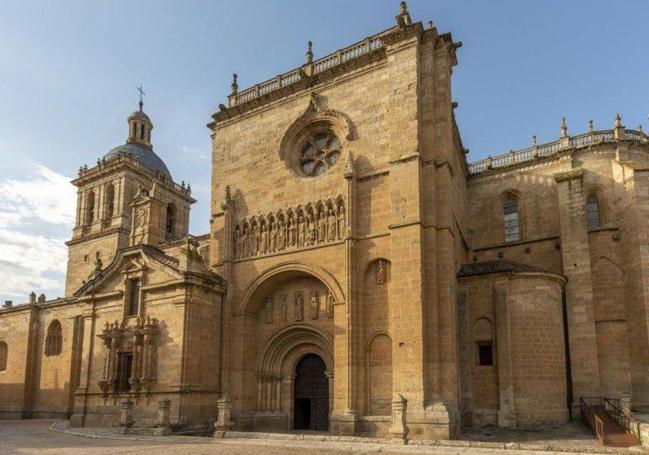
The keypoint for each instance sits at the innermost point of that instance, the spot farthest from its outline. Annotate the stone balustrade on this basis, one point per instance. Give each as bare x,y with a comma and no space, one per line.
339,57
550,148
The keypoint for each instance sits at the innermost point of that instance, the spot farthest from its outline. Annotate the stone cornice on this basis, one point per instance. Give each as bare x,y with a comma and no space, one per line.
569,175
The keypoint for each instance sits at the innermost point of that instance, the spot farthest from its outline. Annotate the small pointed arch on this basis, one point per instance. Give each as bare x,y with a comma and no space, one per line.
4,355
280,215
299,211
271,219
110,200
253,221
309,210
245,225
90,208
262,221
54,339
340,202
510,206
610,262
290,215
593,211
320,207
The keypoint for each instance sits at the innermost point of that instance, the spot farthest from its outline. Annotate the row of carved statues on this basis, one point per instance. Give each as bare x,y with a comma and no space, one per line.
303,227
298,307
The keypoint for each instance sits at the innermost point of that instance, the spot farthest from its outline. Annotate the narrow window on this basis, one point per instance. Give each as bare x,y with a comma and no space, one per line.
592,206
142,131
171,220
110,200
54,339
4,353
512,232
90,207
485,353
133,297
124,370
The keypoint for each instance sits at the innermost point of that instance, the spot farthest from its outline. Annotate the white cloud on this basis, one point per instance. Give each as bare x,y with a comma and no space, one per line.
196,153
36,217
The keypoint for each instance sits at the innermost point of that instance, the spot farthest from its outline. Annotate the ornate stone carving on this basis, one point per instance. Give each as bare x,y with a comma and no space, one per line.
314,305
269,310
330,305
379,272
283,308
299,306
300,227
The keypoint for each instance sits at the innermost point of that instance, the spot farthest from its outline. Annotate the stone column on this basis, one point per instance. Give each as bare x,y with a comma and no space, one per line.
163,425
399,428
80,396
125,416
506,391
575,249
223,422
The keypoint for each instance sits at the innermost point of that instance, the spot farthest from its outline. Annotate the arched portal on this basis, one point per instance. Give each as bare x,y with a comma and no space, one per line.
286,315
311,394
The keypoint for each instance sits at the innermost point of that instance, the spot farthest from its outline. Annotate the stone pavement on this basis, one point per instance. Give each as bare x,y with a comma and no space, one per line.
45,437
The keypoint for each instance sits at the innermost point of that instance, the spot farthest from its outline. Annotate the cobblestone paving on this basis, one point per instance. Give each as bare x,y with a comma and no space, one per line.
34,437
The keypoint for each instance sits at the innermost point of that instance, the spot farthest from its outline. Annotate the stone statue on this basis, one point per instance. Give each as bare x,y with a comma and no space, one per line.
342,229
315,305
245,242
322,227
301,231
281,235
379,274
283,308
332,225
299,306
98,263
273,237
269,310
237,242
291,233
254,240
263,240
313,231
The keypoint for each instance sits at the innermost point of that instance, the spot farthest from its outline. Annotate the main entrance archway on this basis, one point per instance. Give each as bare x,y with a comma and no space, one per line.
311,394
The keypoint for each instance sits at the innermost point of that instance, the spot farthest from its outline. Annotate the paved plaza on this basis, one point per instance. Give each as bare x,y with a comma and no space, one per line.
47,437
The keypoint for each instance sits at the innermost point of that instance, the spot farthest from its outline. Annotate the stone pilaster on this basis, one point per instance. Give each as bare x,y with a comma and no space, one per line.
579,288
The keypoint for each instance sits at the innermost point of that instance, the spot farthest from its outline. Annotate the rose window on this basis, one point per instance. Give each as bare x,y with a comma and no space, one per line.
320,152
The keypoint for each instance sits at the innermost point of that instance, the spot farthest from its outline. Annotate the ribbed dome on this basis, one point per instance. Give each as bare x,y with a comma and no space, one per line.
144,155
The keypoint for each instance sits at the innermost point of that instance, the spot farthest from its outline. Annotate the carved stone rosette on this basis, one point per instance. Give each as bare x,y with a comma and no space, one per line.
139,339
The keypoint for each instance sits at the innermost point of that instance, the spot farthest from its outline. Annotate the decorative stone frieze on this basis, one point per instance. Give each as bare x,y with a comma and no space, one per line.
296,228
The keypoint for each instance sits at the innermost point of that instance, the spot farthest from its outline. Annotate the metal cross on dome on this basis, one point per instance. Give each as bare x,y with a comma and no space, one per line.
139,89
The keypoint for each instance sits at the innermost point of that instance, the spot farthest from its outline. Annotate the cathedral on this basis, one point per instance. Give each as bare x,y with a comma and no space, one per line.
360,275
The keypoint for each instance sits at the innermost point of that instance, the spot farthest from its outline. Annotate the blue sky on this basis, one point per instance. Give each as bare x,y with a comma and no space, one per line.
68,72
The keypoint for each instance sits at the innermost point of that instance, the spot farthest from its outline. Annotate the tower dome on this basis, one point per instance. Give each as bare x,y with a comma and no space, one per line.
138,144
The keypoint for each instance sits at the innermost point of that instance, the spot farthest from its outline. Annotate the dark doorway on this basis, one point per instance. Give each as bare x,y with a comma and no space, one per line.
311,405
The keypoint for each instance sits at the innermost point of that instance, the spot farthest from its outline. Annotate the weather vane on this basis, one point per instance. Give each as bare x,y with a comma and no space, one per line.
139,89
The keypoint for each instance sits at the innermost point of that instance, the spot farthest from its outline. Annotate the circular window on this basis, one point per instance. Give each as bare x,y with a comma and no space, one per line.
320,152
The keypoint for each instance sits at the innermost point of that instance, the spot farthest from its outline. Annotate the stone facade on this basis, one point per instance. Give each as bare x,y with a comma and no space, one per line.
358,274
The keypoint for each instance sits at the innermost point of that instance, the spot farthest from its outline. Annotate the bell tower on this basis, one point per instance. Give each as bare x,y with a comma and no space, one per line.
127,198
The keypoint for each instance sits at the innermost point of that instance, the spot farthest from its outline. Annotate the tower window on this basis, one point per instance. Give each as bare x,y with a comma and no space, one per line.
110,200
592,207
485,353
510,218
171,221
90,207
133,297
54,339
142,131
124,371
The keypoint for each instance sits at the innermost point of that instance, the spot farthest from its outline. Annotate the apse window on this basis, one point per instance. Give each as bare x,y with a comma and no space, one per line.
320,152
592,206
485,353
510,212
133,306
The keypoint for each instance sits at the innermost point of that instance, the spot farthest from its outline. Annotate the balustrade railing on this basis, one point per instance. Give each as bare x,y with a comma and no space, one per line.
550,148
318,66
